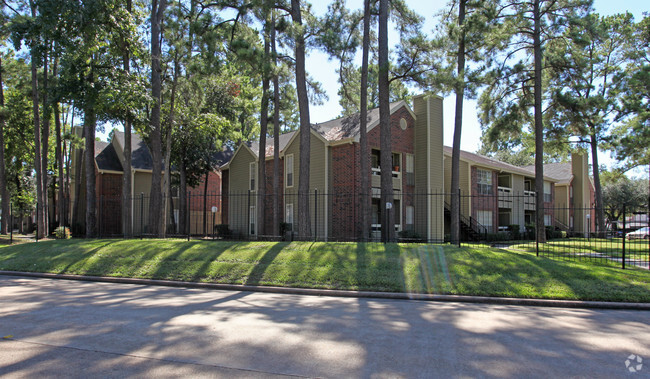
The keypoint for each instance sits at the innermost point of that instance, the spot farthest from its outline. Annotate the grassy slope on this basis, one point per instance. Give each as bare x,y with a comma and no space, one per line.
397,268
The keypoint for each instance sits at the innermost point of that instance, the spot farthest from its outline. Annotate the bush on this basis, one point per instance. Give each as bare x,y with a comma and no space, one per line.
514,231
223,230
410,235
62,233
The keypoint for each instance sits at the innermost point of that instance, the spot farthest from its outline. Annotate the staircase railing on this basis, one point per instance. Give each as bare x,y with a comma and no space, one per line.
471,222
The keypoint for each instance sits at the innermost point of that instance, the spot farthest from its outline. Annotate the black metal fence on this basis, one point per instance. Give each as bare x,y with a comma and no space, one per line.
502,219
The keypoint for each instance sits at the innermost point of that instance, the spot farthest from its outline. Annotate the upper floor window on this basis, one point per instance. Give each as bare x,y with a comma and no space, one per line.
484,182
289,170
252,175
548,195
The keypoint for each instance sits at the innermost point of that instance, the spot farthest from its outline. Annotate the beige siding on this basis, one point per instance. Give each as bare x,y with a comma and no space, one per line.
238,207
141,183
518,211
317,172
429,168
562,203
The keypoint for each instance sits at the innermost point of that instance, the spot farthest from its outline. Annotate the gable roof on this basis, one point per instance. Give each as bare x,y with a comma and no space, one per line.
349,126
106,157
492,163
140,154
283,139
562,172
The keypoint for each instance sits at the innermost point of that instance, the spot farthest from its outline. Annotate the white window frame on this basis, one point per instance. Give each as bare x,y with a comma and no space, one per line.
548,196
252,176
289,170
484,178
252,223
483,216
548,220
410,215
410,164
288,215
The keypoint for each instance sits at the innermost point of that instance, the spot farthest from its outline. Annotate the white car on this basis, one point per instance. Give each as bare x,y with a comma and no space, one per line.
643,233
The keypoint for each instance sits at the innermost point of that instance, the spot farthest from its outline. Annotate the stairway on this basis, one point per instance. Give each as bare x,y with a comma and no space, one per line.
467,232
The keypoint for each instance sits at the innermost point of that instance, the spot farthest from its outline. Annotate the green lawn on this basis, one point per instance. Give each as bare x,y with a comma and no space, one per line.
473,270
582,247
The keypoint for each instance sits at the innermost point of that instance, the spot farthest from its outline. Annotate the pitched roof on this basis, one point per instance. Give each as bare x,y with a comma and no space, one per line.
106,157
493,163
255,145
562,172
140,154
348,126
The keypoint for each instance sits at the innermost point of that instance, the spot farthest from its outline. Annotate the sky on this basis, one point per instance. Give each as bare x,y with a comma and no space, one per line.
324,70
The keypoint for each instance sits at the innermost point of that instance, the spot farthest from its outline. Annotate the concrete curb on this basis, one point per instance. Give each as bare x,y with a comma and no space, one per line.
341,293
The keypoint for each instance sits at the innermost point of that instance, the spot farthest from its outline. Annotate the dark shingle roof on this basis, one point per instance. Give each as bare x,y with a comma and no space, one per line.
284,140
562,172
140,155
348,127
493,163
106,157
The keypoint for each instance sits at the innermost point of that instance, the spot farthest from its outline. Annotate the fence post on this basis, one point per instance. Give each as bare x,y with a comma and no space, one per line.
36,234
459,213
315,214
624,227
141,214
188,218
248,217
537,240
101,214
11,224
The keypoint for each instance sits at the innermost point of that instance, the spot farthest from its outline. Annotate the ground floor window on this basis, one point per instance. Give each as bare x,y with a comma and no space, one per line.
252,217
548,220
484,218
288,216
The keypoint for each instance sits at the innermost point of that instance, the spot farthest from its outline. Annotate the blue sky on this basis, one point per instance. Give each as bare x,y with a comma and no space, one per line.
324,70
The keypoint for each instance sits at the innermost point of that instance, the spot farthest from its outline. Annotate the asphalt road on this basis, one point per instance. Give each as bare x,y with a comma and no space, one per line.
59,328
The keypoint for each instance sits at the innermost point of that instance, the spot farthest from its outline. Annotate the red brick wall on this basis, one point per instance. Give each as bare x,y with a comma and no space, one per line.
225,181
213,192
109,203
345,197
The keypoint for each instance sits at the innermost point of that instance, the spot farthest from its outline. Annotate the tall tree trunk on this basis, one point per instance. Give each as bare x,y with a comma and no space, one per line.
539,125
37,137
365,195
127,194
304,221
45,137
182,197
67,148
90,122
205,202
386,157
76,213
598,192
155,198
276,135
264,123
168,151
60,209
4,193
458,126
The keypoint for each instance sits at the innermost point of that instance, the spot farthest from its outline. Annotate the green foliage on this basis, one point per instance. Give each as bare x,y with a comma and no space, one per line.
62,232
620,191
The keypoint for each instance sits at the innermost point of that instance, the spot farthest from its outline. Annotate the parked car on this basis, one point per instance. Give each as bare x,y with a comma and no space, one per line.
643,233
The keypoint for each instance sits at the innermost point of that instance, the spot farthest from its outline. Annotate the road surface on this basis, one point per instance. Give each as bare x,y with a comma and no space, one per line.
60,328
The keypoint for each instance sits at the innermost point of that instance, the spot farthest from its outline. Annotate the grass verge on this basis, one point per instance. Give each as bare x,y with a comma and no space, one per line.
474,270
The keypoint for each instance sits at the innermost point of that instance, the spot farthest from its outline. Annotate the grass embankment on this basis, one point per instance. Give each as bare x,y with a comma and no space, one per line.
594,247
476,270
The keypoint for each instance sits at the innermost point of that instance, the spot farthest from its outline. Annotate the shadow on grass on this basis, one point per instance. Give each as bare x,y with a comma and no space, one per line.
257,273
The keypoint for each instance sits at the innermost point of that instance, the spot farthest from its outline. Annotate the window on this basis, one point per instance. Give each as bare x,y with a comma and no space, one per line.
252,217
410,169
484,182
397,162
252,175
374,162
548,220
484,218
289,170
410,213
288,216
548,196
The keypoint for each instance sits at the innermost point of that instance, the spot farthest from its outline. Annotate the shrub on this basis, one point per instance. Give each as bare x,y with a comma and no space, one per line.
514,231
410,236
62,233
223,230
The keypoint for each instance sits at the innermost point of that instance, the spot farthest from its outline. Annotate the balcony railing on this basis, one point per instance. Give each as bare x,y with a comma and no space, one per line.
505,197
529,200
